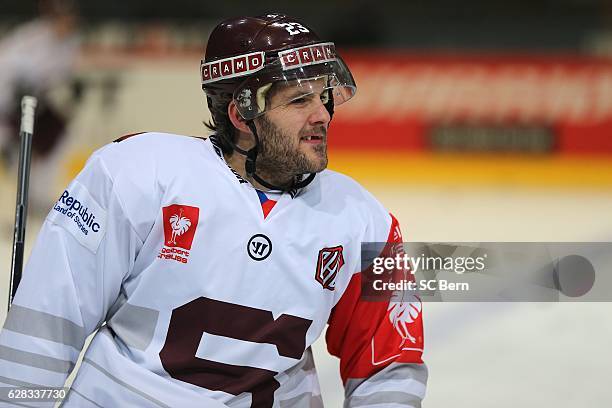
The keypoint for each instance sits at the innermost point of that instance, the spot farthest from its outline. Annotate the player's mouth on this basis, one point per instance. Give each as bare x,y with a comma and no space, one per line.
312,139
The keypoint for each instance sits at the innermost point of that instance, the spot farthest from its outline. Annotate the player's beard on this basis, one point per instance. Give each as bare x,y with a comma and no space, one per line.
280,159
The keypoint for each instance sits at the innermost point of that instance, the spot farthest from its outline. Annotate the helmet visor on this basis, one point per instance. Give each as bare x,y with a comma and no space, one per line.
279,84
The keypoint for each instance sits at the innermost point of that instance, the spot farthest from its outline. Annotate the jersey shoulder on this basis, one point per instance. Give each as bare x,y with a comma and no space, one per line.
149,151
143,143
139,168
338,187
342,186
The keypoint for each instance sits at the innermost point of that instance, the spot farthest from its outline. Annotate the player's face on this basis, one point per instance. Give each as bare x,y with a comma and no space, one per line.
293,136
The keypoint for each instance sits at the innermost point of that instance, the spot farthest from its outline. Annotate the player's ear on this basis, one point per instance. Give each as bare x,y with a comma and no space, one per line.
237,120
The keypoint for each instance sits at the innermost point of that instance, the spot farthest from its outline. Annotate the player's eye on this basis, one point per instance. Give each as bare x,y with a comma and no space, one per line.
299,101
325,96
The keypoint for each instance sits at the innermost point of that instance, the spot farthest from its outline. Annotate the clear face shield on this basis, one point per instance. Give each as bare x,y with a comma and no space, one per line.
299,74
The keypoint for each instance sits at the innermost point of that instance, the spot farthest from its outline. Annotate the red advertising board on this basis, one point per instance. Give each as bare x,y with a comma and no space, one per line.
519,103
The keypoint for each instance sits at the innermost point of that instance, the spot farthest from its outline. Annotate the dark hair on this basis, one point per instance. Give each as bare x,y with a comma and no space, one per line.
58,8
221,124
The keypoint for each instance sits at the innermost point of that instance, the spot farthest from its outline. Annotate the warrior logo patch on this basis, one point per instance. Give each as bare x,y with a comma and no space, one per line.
180,223
328,265
259,247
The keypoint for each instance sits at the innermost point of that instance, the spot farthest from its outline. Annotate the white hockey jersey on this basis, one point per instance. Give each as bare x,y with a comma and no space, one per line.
199,297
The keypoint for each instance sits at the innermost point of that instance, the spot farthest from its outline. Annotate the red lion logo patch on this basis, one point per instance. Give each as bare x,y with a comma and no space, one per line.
180,222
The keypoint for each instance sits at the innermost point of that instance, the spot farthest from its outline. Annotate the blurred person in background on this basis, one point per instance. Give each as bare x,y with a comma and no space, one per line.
36,59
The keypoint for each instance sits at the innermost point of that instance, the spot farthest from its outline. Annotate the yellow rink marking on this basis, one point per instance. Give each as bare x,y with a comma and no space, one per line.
477,170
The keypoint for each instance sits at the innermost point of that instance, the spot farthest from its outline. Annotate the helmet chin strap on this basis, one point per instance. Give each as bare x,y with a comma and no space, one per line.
251,164
251,155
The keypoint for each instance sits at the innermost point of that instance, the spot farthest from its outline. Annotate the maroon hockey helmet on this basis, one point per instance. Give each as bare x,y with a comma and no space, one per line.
246,56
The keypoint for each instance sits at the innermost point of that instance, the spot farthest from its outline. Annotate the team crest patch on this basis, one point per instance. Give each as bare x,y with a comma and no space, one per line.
180,223
328,265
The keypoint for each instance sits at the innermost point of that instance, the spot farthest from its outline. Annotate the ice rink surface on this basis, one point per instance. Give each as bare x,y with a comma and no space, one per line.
483,354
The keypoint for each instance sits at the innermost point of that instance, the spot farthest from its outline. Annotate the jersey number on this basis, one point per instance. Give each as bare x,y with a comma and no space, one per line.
188,322
293,28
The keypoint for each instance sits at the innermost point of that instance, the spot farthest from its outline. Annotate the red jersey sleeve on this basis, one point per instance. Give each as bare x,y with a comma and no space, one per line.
369,335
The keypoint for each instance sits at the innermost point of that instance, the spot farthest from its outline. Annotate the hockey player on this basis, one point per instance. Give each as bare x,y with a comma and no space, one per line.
209,267
39,58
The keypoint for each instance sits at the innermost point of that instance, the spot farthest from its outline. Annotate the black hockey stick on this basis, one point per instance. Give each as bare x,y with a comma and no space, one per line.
28,106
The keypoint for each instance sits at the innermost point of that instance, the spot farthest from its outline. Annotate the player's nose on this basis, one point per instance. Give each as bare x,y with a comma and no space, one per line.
319,115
